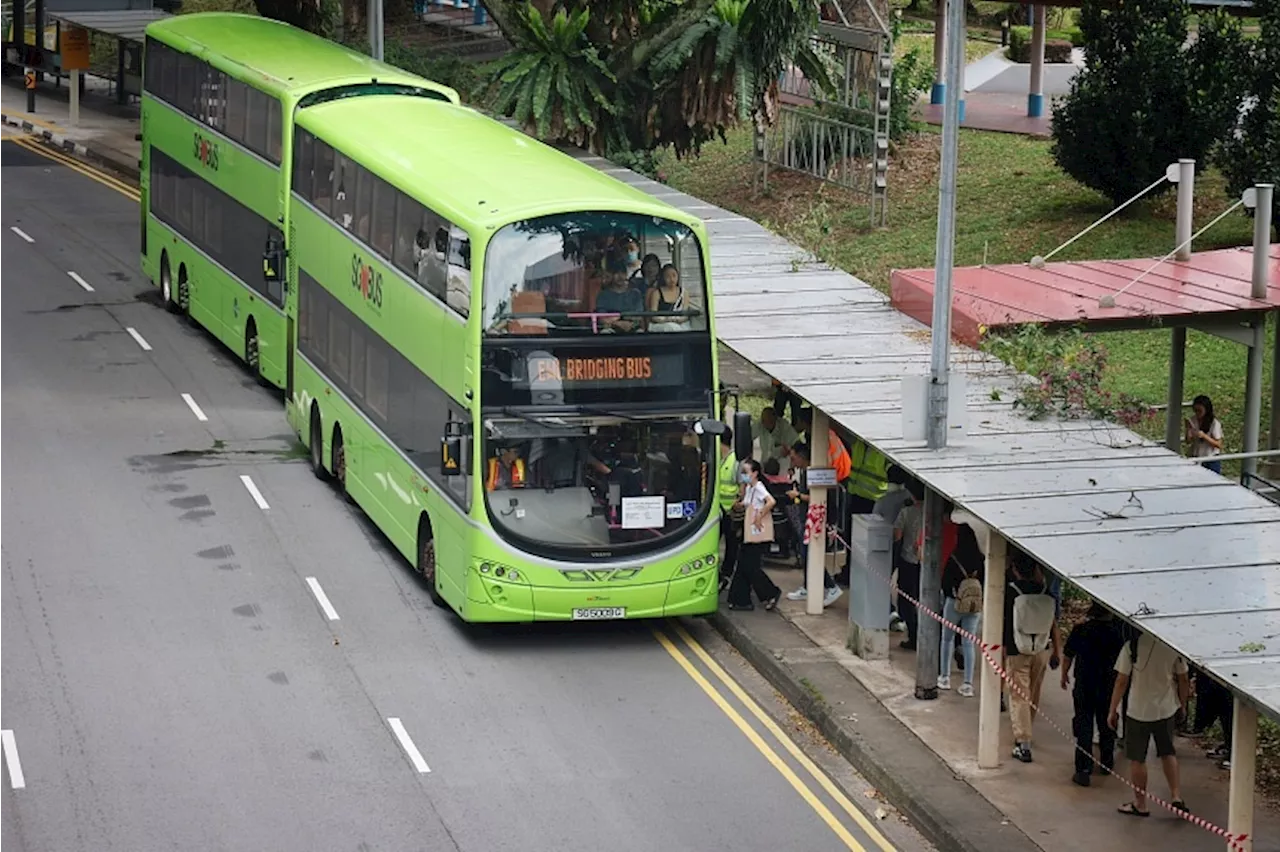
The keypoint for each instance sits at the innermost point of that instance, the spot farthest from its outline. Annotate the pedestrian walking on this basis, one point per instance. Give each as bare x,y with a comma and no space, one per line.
1092,649
1028,628
756,536
1156,678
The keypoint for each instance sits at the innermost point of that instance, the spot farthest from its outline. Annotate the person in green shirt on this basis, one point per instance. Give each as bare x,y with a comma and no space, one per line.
729,496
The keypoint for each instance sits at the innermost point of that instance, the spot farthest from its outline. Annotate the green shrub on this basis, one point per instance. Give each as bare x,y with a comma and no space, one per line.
1020,43
1057,50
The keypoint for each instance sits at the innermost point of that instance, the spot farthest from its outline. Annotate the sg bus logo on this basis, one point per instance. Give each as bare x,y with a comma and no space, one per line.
206,151
367,280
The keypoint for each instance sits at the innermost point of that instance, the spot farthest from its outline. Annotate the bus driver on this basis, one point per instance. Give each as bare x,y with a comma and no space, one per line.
506,470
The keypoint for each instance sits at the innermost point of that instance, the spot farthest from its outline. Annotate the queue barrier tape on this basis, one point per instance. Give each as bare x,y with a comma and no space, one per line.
1234,841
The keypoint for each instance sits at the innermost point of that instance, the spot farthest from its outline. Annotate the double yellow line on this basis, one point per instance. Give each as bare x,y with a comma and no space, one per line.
770,754
834,793
77,166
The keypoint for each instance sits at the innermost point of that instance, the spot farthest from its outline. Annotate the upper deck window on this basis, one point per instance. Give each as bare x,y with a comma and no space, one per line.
583,274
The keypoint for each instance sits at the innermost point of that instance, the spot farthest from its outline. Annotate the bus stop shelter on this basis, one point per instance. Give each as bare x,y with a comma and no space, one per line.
1165,544
128,28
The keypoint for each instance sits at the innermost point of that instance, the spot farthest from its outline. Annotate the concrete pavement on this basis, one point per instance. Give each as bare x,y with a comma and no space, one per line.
172,679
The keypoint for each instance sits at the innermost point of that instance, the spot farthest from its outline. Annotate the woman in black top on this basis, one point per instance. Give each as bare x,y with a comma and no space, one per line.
966,561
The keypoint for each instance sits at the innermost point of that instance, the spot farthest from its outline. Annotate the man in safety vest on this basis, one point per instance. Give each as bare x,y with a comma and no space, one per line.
728,493
506,470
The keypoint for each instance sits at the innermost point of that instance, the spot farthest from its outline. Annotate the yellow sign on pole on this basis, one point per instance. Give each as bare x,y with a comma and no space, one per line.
75,49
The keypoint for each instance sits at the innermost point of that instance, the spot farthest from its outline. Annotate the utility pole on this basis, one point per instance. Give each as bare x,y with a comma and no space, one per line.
929,634
375,29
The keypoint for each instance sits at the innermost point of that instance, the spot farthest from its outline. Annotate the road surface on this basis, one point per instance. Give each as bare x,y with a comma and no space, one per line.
207,648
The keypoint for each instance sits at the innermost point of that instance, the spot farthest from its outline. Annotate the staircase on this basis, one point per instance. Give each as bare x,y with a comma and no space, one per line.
461,27
1265,487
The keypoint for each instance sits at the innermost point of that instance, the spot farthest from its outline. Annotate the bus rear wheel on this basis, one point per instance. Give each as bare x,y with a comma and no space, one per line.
317,446
338,461
427,561
166,286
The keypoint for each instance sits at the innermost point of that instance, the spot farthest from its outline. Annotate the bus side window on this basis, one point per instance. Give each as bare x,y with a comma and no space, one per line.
237,110
364,201
408,221
256,138
384,217
344,190
302,162
274,130
322,175
185,99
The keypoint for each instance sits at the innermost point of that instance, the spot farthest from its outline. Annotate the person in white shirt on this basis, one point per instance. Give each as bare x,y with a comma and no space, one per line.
776,436
757,529
1204,433
1156,677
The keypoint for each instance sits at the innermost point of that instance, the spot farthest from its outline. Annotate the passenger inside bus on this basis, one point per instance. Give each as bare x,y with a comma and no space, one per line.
667,298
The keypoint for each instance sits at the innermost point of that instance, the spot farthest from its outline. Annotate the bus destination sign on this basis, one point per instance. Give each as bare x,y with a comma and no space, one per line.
574,370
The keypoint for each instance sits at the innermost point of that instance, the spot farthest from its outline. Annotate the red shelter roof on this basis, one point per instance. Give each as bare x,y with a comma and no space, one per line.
1211,284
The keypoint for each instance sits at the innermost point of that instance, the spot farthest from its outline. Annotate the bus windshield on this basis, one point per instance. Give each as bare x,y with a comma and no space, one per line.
582,274
576,486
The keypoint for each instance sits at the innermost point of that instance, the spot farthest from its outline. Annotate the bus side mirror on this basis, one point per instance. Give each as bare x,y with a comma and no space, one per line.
273,259
451,455
742,435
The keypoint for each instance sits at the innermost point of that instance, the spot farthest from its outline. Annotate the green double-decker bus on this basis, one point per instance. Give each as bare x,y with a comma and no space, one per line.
503,355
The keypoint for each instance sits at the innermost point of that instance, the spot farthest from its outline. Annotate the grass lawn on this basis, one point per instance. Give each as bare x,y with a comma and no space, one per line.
974,49
1013,203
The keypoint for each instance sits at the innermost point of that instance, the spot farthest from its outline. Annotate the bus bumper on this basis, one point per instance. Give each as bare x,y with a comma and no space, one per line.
490,600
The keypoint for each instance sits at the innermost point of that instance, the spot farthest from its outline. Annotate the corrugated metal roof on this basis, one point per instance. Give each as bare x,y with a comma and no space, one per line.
1210,285
128,24
1185,554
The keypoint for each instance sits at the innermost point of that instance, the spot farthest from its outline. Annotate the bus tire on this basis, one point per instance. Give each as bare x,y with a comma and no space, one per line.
166,285
252,351
427,560
338,461
317,445
184,291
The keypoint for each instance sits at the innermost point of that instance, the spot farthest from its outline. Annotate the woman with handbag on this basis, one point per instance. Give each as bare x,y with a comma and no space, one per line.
757,533
962,579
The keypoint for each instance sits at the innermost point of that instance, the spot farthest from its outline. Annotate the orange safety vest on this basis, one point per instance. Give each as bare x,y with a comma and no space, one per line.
517,474
838,456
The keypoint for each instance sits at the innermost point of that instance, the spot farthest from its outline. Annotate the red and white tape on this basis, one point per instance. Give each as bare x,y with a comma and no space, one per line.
989,651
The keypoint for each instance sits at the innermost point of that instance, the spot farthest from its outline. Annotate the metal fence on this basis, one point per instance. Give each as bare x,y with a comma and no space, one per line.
838,134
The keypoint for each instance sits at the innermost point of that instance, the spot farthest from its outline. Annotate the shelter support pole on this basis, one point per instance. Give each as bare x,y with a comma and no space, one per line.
1186,208
939,91
928,631
1177,371
1035,97
1253,391
374,17
816,566
990,685
121,47
1261,238
1273,440
1244,751
75,97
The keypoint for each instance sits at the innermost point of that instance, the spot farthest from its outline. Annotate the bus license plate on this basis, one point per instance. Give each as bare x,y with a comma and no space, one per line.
599,613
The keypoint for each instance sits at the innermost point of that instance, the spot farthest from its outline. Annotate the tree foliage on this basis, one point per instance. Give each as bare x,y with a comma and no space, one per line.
1146,97
1250,153
634,75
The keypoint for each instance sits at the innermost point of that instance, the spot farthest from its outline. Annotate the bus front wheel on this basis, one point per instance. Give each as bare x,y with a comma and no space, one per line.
317,445
427,560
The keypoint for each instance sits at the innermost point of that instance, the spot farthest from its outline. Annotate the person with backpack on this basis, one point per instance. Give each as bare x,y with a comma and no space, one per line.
1028,638
1155,678
1092,649
962,578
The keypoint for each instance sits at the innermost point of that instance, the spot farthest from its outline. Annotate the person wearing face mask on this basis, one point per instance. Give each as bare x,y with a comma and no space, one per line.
757,533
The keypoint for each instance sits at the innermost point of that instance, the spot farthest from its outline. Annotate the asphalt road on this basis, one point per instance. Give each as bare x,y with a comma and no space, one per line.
172,680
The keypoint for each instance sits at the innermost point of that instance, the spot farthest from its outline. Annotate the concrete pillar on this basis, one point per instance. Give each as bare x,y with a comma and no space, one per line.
870,566
1035,98
1177,370
1253,391
939,91
989,684
1186,209
817,563
1244,751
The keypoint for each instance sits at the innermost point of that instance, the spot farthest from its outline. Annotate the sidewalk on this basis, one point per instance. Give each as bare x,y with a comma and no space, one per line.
106,132
923,754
